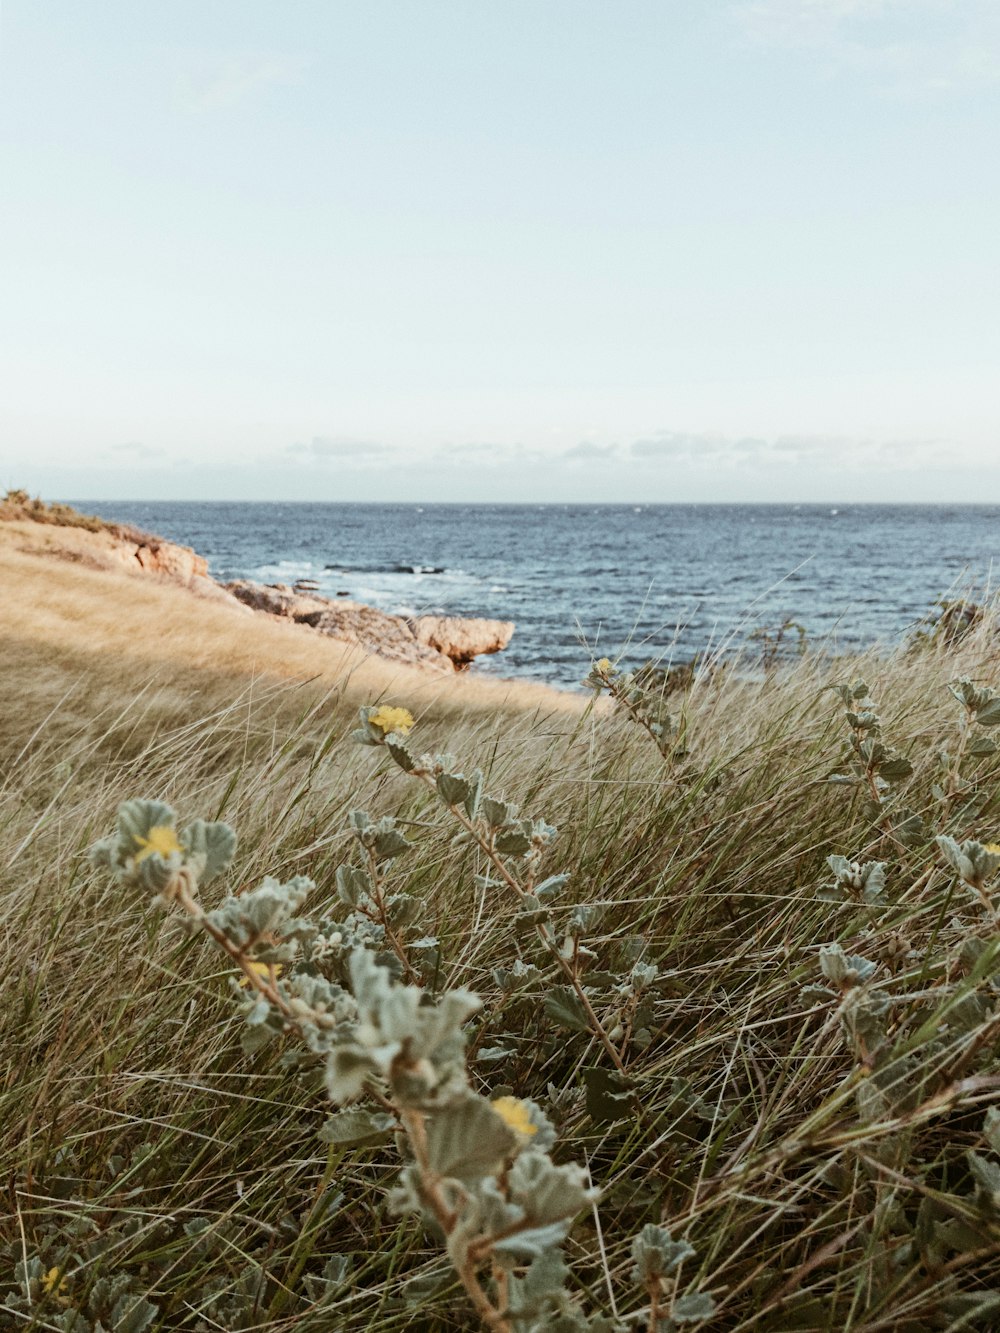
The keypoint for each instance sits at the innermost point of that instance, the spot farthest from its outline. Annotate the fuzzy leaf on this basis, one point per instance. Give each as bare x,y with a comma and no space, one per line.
453,788
656,1253
692,1308
475,784
210,846
468,1140
564,1007
399,753
357,1128
513,842
133,1314
353,885
607,1095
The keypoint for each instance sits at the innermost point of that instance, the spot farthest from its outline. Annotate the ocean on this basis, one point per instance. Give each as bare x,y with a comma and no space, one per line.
653,581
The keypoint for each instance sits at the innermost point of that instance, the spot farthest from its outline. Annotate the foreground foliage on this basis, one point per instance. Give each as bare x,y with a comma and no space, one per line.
720,1053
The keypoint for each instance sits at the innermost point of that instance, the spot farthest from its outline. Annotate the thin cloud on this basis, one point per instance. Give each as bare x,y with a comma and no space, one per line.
785,451
324,447
906,47
588,452
237,77
137,450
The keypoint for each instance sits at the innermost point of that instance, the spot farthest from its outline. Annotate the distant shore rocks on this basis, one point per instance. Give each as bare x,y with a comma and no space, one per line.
441,643
462,638
436,643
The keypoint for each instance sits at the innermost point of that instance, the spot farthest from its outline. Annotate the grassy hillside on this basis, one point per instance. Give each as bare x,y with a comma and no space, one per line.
803,1125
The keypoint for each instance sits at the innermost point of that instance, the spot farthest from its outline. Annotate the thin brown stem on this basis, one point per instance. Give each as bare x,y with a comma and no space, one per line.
395,942
544,933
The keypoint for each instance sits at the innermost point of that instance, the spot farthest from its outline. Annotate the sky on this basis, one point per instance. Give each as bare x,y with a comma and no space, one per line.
538,250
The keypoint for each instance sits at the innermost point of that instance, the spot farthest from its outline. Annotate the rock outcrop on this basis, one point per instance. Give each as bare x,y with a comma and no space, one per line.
443,643
461,639
437,643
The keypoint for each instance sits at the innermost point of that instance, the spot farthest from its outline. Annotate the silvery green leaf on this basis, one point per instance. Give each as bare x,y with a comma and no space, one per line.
833,963
210,846
534,1241
403,909
259,1012
491,1053
991,1128
986,1174
254,1039
399,753
133,1314
844,969
475,783
563,1006
839,865
357,1128
348,1069
608,1097
497,813
980,746
895,768
988,715
873,881
513,842
843,780
550,886
353,885
453,788
584,918
547,1193
467,1140
546,1275
656,1253
911,830
692,1308
359,820
389,842
530,912
421,1289
643,975
952,853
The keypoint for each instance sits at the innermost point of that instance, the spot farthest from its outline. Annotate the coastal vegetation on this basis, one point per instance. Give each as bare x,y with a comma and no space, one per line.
388,1002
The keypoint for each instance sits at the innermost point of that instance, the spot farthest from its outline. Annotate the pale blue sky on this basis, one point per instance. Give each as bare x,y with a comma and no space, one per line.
501,249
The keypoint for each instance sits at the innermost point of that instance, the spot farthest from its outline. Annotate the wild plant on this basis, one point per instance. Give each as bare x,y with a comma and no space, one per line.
477,1171
642,697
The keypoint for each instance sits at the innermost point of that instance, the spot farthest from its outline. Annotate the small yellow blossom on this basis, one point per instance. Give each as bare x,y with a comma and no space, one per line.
603,665
162,841
515,1115
993,847
391,719
262,970
54,1284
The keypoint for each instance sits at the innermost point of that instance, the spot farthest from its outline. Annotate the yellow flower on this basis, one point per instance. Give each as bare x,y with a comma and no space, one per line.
391,719
262,970
993,847
162,841
515,1115
54,1284
603,665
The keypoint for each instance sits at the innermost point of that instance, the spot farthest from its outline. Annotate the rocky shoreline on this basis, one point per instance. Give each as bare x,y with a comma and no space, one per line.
440,643
434,643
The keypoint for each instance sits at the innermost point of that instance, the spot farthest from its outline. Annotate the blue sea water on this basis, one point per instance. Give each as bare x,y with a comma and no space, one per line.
583,580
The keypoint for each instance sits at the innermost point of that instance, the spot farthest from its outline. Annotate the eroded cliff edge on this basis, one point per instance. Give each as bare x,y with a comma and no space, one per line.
435,643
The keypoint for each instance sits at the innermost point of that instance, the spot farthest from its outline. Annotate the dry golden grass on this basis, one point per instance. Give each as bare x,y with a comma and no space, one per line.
81,634
118,1044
